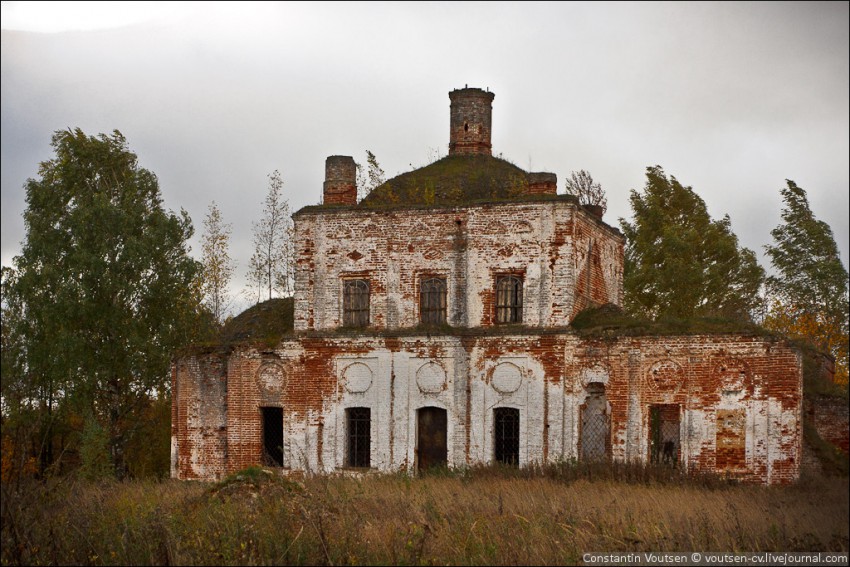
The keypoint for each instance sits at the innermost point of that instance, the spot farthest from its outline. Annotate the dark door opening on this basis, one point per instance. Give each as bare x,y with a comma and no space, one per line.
664,439
272,436
432,433
506,435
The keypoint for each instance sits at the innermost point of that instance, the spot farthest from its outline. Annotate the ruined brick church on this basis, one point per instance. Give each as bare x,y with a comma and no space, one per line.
433,323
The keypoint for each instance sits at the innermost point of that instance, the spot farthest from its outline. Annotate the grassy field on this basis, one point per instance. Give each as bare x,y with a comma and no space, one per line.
488,516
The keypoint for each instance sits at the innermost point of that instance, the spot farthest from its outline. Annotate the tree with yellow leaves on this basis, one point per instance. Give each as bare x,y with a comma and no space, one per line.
218,266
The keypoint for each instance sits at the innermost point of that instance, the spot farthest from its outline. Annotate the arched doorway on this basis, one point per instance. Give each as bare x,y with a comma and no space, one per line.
431,437
595,430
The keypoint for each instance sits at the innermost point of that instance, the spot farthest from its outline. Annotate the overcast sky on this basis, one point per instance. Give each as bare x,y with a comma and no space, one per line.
730,98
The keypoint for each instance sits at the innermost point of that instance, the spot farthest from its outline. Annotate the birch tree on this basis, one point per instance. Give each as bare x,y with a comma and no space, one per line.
218,265
271,268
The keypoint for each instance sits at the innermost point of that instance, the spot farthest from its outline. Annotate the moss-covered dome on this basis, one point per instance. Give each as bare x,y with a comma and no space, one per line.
453,180
267,322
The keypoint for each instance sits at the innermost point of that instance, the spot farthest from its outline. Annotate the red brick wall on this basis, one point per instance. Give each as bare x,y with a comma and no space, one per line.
199,402
599,265
470,121
830,418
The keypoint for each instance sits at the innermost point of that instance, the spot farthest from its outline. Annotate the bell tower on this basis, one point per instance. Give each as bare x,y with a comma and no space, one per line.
471,113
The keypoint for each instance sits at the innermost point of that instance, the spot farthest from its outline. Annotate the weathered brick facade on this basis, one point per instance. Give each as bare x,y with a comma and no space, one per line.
567,257
736,399
473,389
830,417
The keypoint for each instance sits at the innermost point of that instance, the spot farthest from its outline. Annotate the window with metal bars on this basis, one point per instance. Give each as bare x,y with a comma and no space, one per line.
594,439
272,436
506,435
432,301
355,303
358,425
508,299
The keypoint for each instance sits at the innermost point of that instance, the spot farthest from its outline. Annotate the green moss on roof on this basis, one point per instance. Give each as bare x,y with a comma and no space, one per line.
453,180
610,320
265,322
269,322
605,318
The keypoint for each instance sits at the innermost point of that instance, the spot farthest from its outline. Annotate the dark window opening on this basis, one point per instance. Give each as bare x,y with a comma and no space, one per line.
432,301
506,437
272,437
509,300
355,303
359,425
466,126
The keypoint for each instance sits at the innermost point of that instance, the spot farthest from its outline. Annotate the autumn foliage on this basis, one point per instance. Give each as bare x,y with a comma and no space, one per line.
809,290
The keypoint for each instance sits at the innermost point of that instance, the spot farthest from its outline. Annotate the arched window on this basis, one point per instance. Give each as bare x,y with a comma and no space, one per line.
355,303
509,300
432,301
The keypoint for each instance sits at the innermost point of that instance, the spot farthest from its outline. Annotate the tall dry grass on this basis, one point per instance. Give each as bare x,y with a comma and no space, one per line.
487,516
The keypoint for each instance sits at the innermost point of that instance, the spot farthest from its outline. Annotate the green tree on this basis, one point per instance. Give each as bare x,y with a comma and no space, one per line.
218,266
272,265
26,412
94,451
810,285
680,263
105,284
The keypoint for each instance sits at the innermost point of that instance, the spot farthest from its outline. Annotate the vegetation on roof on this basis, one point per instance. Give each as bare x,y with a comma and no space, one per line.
265,322
272,320
457,179
610,320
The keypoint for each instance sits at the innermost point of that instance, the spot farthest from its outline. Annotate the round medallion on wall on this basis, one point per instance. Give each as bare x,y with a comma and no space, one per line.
734,375
358,377
507,378
665,376
431,378
432,254
271,378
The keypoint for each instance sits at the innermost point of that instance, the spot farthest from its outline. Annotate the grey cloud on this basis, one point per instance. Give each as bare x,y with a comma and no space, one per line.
732,99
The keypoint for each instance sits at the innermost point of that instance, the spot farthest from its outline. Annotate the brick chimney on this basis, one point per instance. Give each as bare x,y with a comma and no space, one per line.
340,186
594,210
542,183
470,117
